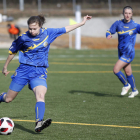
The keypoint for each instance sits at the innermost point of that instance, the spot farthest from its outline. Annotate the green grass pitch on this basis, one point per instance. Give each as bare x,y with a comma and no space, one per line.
83,99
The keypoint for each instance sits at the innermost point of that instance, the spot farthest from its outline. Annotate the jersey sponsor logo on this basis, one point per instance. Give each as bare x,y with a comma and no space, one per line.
36,39
125,27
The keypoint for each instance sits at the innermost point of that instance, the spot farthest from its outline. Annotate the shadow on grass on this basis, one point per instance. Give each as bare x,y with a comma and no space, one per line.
95,93
18,126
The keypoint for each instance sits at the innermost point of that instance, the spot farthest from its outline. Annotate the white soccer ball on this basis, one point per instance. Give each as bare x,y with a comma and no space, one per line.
6,126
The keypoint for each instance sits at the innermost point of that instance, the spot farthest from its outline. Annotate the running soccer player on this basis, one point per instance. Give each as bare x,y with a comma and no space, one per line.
33,47
127,30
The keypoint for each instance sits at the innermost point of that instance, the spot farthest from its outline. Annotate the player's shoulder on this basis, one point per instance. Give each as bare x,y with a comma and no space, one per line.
45,30
134,22
23,36
48,31
120,20
117,22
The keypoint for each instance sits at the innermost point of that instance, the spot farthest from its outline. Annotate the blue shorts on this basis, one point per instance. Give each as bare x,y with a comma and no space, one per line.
31,75
126,58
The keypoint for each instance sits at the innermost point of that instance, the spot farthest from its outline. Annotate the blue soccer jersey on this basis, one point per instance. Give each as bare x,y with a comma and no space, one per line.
126,38
33,50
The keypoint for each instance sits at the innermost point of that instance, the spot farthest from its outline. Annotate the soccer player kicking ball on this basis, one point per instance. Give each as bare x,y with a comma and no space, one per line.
33,47
127,30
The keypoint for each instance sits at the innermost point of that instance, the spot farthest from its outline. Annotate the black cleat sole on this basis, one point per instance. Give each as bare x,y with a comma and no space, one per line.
45,125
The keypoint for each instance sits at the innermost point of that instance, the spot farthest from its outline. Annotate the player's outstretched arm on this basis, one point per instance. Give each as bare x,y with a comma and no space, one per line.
9,58
72,27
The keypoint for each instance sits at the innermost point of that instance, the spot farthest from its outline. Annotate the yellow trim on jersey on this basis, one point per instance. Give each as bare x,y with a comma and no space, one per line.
122,32
35,46
10,52
108,32
46,72
22,34
43,29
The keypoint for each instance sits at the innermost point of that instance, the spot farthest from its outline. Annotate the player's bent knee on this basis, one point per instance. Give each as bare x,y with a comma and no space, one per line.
40,97
115,71
128,73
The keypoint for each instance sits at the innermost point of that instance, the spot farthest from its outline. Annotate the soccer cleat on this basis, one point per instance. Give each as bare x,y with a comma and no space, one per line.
42,124
125,89
133,94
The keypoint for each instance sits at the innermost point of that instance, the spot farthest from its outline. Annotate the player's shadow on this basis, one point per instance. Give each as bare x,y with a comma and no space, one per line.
18,126
95,93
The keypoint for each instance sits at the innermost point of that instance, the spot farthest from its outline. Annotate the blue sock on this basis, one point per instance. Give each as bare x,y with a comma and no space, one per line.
131,81
1,97
122,78
40,110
